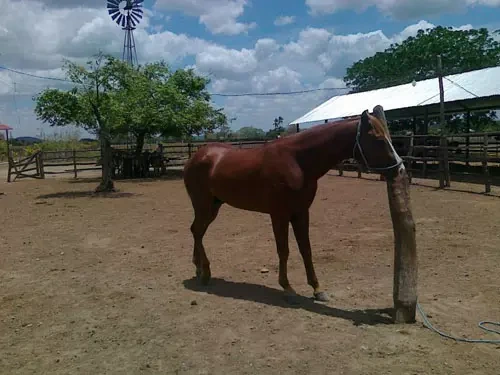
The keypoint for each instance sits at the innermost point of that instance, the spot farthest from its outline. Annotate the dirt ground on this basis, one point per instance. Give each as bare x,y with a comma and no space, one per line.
104,285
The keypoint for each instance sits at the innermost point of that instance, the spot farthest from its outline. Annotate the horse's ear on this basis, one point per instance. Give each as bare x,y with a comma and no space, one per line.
364,117
379,113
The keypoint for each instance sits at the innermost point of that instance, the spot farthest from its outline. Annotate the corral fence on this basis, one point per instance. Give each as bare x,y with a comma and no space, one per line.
43,163
473,158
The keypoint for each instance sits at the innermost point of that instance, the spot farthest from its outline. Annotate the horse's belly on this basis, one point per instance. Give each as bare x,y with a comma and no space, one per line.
242,193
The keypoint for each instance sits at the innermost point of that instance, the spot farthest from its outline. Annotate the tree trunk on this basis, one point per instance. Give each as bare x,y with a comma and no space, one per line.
106,184
139,143
405,249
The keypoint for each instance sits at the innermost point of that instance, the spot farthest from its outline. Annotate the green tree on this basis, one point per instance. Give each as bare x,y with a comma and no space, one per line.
249,132
277,128
89,104
154,101
416,59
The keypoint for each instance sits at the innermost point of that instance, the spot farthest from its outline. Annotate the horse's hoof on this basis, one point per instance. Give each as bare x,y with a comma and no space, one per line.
321,297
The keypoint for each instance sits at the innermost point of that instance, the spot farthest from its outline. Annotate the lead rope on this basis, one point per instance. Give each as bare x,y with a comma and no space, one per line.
481,325
427,323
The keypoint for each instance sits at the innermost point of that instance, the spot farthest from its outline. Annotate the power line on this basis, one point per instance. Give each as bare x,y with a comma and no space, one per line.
283,93
212,94
460,86
34,75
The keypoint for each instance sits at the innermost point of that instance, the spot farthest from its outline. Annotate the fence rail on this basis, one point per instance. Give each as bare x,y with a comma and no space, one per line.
471,158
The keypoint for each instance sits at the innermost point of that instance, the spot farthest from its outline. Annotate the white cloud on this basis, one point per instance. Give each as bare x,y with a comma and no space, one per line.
284,20
399,9
219,16
37,36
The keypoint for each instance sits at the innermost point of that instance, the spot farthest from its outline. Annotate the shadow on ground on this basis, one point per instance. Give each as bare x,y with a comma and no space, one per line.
85,194
167,177
274,297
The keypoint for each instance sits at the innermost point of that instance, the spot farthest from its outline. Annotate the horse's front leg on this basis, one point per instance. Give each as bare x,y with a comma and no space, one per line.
280,229
300,225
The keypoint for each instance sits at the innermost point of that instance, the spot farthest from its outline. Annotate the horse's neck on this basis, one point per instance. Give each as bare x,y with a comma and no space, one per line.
324,148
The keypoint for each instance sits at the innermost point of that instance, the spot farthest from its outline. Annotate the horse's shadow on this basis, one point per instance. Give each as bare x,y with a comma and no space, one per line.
274,297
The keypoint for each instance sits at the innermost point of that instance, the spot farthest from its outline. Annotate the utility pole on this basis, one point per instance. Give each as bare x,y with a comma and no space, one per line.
441,90
444,141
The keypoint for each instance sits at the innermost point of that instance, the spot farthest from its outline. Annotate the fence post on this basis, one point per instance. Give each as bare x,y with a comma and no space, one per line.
446,163
410,163
442,173
40,161
74,164
189,150
487,182
10,167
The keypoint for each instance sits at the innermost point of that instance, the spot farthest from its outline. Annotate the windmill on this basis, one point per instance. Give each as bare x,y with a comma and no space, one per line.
127,14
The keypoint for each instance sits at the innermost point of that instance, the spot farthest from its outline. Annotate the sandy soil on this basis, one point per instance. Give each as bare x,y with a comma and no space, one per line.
103,285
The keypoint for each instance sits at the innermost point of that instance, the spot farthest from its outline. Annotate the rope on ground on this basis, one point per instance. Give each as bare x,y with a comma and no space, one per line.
481,325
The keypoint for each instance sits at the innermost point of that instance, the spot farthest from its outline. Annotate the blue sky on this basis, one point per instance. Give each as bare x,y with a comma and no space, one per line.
236,42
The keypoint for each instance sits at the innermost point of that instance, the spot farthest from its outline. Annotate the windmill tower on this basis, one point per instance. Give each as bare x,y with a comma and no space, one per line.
127,14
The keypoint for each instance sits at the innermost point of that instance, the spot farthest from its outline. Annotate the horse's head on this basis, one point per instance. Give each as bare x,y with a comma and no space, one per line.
373,145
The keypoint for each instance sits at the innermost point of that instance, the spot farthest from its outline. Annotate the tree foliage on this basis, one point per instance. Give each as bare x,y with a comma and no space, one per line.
416,59
89,104
249,132
153,100
112,99
277,129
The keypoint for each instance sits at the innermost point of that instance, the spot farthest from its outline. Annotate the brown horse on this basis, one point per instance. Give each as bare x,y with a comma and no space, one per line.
280,179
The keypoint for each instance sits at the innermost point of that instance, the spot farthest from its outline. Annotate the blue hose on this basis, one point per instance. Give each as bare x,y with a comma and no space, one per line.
481,325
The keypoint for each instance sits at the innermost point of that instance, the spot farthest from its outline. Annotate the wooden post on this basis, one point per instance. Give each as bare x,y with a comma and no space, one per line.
424,153
467,140
441,90
405,248
444,179
40,161
410,154
75,171
189,150
9,159
487,182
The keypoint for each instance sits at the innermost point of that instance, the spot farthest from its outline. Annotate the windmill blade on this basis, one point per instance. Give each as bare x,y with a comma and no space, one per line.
113,17
113,4
138,16
130,21
119,19
136,19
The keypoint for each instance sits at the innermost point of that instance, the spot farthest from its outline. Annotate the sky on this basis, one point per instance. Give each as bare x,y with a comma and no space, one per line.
244,46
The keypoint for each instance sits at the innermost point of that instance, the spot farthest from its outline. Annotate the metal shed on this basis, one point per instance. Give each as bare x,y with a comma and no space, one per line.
474,90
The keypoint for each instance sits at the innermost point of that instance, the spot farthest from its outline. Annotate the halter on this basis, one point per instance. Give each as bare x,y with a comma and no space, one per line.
399,161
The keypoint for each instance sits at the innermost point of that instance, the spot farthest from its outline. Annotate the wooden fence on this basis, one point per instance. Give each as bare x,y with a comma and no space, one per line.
44,163
28,167
473,158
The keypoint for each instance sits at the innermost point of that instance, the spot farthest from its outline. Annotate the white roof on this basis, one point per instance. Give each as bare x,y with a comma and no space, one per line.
470,85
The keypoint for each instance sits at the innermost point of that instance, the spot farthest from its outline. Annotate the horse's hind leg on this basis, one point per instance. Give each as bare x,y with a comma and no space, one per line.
300,225
205,213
